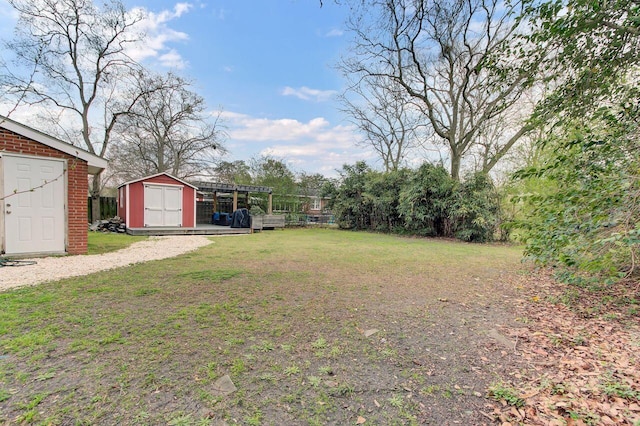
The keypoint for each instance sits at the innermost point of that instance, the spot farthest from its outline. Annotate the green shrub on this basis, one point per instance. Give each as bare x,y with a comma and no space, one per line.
584,212
476,209
426,202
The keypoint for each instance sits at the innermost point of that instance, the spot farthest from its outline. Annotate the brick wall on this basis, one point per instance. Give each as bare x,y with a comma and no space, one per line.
77,188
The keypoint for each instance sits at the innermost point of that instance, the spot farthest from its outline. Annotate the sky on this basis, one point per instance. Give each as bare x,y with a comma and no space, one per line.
270,65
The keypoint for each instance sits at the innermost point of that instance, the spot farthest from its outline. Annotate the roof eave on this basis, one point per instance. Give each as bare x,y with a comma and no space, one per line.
94,169
95,163
156,175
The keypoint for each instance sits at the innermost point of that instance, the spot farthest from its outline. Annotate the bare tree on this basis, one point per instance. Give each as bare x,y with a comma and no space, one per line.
168,130
11,95
79,52
448,56
388,120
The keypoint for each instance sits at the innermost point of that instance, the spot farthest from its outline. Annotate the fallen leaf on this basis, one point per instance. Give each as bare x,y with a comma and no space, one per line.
530,394
360,420
571,348
370,332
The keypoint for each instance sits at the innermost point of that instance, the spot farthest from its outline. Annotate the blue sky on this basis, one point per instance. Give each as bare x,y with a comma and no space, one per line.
270,65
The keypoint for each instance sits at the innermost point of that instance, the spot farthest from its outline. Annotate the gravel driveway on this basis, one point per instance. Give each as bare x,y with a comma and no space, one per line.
55,268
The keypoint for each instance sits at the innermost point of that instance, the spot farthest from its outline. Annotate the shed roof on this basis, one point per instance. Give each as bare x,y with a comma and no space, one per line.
156,175
95,163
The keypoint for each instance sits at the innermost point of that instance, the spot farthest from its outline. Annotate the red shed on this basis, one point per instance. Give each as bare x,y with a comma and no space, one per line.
43,192
160,200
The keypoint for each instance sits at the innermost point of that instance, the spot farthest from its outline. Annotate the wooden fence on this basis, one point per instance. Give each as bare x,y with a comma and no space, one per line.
108,208
204,211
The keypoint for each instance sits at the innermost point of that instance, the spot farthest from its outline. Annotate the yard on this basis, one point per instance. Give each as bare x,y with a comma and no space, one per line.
310,326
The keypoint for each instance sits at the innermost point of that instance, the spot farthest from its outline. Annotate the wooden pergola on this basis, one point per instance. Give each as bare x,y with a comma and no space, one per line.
213,188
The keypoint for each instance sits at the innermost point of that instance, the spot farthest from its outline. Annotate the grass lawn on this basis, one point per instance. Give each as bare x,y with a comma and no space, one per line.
104,242
312,326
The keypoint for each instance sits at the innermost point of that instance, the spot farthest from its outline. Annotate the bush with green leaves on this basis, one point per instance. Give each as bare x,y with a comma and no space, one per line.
476,209
585,214
347,199
382,191
426,201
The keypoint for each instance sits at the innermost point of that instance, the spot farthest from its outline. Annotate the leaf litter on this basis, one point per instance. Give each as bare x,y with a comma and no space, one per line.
579,352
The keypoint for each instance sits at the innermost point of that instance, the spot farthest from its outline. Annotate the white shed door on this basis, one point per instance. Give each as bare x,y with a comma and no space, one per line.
173,206
162,205
34,217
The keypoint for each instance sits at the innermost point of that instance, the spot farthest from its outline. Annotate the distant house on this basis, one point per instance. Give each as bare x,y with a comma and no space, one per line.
301,209
314,204
316,209
43,192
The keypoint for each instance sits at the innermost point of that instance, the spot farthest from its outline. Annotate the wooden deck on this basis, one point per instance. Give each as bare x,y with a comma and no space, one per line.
258,223
198,230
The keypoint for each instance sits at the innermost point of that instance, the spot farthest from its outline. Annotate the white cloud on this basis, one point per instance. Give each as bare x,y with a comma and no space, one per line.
181,8
61,124
315,146
172,59
154,26
244,127
312,157
308,94
334,33
158,35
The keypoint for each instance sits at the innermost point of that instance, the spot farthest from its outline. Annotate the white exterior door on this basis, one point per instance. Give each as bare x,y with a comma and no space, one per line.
162,205
34,218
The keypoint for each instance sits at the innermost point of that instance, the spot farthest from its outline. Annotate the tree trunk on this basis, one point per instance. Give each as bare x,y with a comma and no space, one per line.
455,166
95,198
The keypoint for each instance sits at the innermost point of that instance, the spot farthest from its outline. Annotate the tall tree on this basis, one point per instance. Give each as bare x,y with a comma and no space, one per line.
582,202
168,129
347,196
310,184
237,172
387,119
451,57
79,53
274,172
596,47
